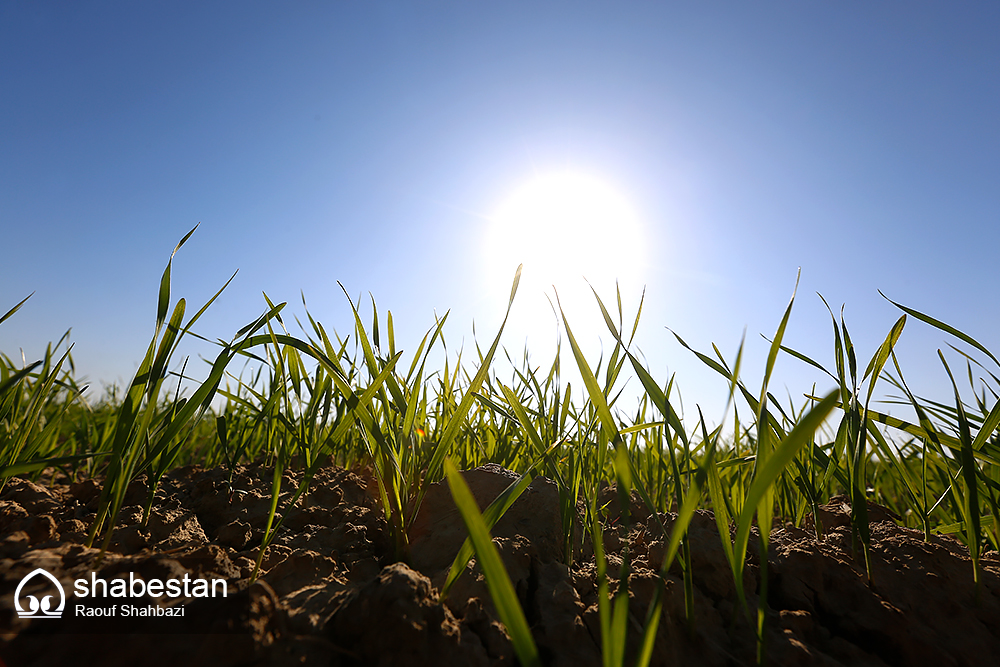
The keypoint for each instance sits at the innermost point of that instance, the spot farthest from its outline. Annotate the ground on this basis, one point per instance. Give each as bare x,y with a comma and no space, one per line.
333,592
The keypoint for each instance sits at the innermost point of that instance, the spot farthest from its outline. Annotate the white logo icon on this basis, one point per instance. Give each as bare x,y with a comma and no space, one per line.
42,608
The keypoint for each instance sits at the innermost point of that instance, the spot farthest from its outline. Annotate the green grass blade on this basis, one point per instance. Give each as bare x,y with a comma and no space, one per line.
970,502
497,580
944,327
882,355
491,515
781,457
590,380
15,308
457,420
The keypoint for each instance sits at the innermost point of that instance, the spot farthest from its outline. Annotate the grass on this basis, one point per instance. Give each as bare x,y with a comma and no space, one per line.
318,397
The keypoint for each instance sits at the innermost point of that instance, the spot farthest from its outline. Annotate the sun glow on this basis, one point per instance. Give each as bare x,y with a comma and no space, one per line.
568,229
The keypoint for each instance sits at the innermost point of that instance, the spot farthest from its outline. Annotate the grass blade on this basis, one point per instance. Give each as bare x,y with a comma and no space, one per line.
497,580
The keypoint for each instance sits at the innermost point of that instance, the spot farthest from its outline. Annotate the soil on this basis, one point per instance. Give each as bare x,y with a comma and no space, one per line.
331,592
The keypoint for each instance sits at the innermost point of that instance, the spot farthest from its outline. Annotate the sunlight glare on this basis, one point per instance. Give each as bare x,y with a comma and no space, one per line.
567,229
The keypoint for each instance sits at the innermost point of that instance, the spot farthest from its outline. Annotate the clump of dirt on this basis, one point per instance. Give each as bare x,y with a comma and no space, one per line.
331,592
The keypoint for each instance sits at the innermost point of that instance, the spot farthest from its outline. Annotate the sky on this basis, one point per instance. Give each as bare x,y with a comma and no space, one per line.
417,152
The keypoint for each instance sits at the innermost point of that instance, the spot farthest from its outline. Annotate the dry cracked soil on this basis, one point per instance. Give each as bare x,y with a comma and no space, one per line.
331,592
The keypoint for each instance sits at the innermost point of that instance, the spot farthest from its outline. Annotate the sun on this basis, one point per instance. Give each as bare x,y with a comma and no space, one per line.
568,229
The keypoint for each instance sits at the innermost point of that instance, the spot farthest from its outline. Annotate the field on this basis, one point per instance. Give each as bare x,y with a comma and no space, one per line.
348,493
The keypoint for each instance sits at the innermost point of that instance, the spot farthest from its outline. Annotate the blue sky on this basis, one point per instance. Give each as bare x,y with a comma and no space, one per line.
374,143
